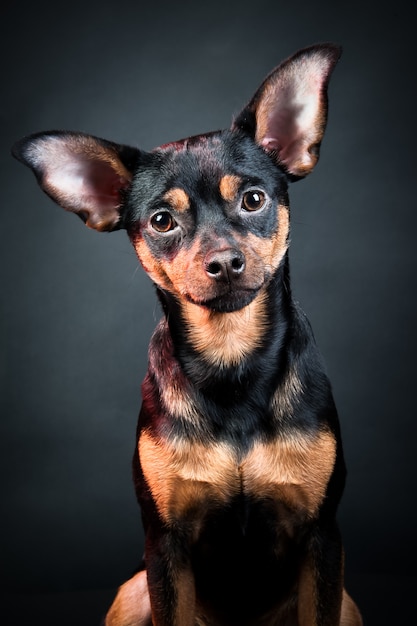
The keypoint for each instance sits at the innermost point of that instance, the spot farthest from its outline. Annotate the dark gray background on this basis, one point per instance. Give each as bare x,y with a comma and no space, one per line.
77,311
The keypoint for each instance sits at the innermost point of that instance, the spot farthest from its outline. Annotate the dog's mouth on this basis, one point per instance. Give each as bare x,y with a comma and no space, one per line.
233,300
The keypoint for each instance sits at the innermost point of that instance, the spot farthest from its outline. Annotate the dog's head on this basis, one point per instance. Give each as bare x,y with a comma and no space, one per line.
208,215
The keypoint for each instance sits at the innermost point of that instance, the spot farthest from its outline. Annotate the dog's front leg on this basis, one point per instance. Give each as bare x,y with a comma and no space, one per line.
321,581
170,579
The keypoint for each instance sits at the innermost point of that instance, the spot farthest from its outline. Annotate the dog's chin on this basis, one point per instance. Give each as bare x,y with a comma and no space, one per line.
228,303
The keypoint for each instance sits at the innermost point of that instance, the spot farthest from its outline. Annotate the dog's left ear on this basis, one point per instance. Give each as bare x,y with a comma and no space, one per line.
287,115
82,173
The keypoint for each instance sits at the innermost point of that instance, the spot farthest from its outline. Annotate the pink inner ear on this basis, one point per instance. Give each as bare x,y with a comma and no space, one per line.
291,110
280,127
101,183
84,181
100,194
291,126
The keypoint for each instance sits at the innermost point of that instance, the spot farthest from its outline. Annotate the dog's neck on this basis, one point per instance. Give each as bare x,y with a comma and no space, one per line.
226,339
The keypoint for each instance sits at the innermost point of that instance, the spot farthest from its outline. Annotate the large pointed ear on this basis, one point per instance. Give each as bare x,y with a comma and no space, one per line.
82,173
287,115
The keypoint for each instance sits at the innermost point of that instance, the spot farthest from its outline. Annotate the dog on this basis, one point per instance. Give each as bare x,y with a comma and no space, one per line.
238,465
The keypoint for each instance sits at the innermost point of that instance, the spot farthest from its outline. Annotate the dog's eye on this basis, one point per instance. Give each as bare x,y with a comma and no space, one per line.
253,200
163,222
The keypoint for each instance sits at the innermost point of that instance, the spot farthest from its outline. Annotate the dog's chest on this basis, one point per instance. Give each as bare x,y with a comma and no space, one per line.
186,478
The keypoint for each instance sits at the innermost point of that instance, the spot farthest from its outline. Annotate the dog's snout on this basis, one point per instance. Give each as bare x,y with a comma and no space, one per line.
225,265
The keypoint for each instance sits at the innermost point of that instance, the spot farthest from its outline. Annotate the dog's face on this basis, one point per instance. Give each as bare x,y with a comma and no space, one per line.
209,221
208,216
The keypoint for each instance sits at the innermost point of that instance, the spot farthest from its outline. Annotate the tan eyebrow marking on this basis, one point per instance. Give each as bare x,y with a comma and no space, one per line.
178,199
229,186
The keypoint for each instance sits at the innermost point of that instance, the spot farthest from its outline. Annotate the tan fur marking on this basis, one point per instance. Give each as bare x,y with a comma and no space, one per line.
173,387
185,609
295,469
272,250
307,601
178,403
307,596
350,612
287,396
226,338
280,241
229,187
170,275
178,199
185,474
150,265
131,607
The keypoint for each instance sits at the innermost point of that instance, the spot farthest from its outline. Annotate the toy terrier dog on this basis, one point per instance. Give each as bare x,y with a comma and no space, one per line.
238,466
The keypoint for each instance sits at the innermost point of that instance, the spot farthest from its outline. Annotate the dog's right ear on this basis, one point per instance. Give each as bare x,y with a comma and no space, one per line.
83,174
287,115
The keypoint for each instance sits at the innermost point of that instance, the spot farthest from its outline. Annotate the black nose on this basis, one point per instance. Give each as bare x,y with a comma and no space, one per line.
225,265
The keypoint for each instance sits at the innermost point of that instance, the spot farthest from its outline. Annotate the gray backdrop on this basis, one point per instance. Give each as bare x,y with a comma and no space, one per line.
77,311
